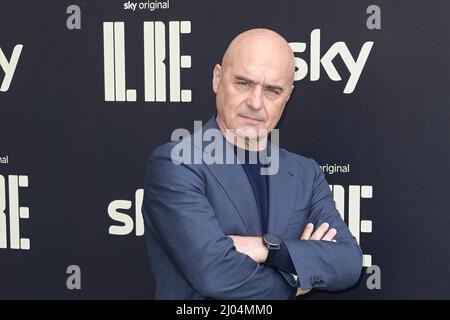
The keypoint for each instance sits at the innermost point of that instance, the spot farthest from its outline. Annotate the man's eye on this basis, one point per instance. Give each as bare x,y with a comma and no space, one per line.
242,83
274,92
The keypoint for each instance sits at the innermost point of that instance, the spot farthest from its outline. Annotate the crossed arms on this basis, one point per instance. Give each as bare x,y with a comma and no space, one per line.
221,266
254,248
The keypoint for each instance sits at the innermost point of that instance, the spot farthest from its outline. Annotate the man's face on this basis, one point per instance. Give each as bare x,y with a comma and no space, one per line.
252,90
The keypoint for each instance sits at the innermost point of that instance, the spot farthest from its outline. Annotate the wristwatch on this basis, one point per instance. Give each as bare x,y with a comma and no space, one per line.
273,244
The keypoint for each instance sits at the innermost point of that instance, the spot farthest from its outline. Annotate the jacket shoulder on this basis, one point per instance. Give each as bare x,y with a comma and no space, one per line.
163,150
302,163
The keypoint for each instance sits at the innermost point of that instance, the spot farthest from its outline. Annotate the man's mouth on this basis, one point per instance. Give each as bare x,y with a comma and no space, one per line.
251,118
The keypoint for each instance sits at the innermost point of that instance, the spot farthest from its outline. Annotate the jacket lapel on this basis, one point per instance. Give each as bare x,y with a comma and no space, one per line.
235,184
282,191
234,181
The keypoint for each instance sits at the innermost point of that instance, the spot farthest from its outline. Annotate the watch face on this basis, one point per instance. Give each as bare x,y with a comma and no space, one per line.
272,240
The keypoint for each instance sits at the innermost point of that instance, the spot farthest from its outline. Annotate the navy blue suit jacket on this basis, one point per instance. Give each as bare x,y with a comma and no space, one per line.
189,209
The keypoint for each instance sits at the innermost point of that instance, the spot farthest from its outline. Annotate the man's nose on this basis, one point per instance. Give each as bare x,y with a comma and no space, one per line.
256,98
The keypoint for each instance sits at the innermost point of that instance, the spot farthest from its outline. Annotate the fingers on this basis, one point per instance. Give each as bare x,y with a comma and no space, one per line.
330,235
322,233
301,291
319,233
307,232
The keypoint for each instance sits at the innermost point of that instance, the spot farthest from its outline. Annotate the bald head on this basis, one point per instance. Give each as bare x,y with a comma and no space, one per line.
263,44
253,85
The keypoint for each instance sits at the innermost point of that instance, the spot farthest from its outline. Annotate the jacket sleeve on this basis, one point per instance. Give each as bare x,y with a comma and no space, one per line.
186,226
325,264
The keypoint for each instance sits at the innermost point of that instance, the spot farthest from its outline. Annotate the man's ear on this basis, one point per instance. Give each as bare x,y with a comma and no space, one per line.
216,77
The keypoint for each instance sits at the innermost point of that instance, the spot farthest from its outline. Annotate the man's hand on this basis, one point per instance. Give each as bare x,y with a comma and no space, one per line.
322,233
251,246
257,251
319,234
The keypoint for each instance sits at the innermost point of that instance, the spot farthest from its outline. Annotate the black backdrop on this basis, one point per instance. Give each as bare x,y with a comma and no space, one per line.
75,154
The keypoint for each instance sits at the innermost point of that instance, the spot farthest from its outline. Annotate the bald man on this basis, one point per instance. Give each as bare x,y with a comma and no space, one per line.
221,230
